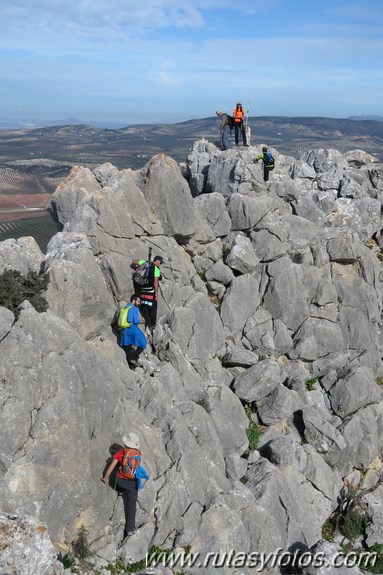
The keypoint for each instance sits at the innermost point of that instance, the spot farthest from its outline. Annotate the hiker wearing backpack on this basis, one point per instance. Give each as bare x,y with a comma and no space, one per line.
239,116
132,339
224,129
149,290
128,479
268,162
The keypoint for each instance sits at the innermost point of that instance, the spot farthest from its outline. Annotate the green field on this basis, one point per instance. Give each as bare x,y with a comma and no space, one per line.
42,229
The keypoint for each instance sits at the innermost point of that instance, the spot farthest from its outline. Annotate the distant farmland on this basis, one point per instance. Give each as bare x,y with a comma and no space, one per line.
34,161
41,228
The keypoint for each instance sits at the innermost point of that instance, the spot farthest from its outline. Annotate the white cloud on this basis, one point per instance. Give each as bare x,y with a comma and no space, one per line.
187,52
129,15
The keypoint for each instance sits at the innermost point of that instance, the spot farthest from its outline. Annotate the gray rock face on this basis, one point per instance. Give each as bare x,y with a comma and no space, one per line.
168,194
77,291
259,381
329,560
241,256
375,508
213,208
26,547
355,390
288,508
320,433
22,255
47,359
6,320
247,212
197,165
70,193
259,392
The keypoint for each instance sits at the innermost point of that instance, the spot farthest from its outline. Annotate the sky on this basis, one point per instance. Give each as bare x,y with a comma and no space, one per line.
166,61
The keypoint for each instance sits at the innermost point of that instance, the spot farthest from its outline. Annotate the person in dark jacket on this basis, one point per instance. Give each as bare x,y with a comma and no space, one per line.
268,162
224,130
149,292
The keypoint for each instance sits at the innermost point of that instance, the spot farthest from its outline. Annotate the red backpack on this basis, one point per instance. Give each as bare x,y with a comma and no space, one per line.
130,462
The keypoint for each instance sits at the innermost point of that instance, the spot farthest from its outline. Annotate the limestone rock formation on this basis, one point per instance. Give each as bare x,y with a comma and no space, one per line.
260,394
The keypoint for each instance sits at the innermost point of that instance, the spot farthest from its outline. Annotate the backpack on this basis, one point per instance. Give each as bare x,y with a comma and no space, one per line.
130,462
230,120
123,317
268,158
140,275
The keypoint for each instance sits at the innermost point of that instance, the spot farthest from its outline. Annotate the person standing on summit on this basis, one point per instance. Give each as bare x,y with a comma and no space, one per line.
239,117
224,129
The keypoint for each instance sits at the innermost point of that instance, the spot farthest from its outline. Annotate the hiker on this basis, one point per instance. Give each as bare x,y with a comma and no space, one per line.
132,339
129,478
224,130
268,162
149,292
239,116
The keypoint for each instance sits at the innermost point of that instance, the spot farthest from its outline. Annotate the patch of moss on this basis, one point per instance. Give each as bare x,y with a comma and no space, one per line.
353,524
328,529
310,383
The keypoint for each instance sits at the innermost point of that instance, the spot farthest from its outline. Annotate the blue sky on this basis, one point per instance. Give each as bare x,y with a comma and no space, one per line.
174,60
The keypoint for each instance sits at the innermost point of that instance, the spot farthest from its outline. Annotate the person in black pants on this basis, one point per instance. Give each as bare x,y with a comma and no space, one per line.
268,162
149,292
127,487
239,116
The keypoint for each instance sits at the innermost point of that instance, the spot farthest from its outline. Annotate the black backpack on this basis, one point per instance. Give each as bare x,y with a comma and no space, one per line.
140,275
230,121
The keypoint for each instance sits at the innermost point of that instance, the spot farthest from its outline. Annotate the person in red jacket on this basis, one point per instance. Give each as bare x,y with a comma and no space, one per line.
127,486
239,117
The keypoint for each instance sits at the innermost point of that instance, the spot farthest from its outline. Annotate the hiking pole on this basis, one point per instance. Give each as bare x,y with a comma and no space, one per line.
247,127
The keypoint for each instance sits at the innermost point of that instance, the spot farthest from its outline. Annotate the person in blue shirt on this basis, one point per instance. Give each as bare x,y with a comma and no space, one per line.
132,339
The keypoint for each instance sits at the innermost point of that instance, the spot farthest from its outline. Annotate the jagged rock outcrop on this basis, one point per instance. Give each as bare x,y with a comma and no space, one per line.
26,547
270,315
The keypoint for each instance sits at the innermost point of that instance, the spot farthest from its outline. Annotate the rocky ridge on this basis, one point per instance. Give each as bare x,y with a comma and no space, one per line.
270,314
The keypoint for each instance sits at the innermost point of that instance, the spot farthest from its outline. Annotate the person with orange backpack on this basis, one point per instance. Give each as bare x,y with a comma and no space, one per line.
129,478
239,116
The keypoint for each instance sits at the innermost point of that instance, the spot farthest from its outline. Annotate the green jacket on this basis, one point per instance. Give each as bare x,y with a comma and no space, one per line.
265,160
